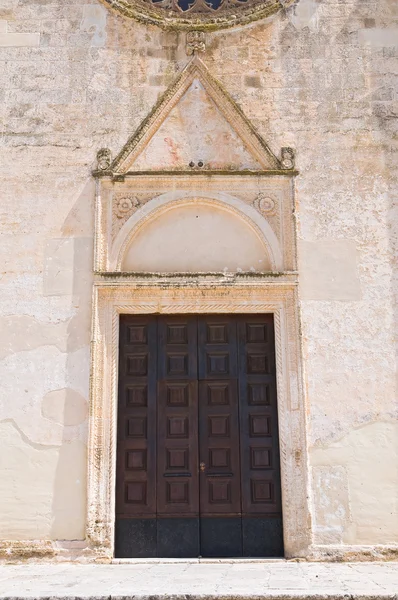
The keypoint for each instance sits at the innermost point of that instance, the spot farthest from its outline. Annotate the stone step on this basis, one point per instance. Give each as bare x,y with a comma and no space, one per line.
194,580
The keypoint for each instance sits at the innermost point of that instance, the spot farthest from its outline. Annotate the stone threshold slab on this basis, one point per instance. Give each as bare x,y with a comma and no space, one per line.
197,561
305,595
219,579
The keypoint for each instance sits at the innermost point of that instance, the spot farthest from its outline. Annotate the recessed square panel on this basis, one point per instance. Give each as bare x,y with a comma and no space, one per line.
257,364
256,332
137,364
219,491
217,364
136,427
177,458
258,394
177,334
137,334
262,491
135,492
177,427
177,394
177,492
259,425
218,426
217,394
260,458
177,364
219,458
136,395
135,460
217,334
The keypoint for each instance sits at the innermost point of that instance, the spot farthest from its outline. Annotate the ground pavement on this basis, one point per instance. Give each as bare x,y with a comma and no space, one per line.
191,580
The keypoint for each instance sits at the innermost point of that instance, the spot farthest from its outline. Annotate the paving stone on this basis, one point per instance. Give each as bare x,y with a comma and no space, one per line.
186,580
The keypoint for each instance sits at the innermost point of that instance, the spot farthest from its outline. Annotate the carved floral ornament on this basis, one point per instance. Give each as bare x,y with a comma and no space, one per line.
264,204
198,14
126,205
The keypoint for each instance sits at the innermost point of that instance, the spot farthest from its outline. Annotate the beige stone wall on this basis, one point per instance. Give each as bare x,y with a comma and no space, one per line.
75,77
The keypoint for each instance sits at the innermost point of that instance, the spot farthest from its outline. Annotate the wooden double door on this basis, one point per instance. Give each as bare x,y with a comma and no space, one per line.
198,469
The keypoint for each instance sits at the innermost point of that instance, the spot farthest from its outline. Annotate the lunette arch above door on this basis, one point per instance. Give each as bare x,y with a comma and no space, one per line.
197,148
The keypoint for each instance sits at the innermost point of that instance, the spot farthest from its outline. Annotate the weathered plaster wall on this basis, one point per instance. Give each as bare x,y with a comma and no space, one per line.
74,77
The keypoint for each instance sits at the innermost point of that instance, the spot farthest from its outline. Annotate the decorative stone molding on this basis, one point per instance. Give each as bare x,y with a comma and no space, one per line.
158,193
115,295
255,144
198,14
166,202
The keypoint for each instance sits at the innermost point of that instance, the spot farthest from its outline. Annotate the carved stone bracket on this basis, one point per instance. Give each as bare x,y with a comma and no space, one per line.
104,159
287,158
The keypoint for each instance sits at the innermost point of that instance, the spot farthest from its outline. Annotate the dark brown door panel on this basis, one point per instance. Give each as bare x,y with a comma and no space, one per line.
136,450
198,468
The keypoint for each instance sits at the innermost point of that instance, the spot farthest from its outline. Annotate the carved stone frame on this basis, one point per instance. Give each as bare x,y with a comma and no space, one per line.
196,294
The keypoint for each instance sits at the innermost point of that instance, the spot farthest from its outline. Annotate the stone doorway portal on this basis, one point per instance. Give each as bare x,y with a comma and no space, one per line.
198,467
145,198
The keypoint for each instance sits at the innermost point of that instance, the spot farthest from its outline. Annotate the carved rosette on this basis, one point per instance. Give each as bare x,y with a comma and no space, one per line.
125,206
265,205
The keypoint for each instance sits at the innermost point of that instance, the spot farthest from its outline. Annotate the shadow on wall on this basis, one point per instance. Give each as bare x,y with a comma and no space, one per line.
69,406
338,76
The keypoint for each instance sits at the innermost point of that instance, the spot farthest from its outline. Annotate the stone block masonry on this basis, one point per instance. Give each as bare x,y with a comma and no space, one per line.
320,77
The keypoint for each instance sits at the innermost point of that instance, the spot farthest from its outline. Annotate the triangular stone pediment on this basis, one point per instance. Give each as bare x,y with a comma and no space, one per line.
195,131
195,125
